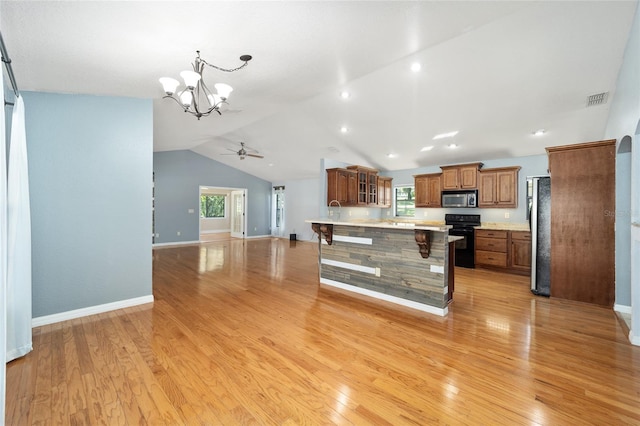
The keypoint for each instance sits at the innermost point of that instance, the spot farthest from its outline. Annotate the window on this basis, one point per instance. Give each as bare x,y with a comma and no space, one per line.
405,197
212,205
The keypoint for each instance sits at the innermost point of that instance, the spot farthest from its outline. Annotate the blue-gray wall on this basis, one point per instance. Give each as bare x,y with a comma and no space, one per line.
178,176
90,165
624,116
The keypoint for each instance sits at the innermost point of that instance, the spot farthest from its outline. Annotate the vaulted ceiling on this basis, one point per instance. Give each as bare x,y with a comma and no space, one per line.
493,71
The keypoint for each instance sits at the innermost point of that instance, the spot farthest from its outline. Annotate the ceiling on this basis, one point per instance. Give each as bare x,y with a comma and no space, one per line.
493,71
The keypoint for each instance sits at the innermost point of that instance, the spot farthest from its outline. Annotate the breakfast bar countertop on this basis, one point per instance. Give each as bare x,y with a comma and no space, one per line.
385,223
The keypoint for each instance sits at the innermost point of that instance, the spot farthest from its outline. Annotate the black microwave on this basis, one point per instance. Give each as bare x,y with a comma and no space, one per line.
464,199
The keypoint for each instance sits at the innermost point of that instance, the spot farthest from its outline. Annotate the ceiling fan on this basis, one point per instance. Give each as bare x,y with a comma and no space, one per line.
245,151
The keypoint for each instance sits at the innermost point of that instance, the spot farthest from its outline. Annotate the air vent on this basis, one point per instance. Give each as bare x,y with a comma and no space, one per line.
597,99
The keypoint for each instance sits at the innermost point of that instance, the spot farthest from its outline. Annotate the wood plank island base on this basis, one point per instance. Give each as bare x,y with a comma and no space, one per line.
400,262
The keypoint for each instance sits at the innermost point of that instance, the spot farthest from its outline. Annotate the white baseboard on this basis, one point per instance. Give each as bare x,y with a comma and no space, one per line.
258,236
177,243
635,340
623,309
393,299
91,310
216,231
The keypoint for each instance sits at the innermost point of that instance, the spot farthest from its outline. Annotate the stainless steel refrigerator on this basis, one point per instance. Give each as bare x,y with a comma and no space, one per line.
540,224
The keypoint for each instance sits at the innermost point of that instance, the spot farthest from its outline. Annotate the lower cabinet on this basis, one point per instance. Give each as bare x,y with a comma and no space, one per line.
509,251
521,251
491,248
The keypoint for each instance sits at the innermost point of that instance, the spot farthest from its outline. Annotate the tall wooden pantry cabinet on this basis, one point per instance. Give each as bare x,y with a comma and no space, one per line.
582,222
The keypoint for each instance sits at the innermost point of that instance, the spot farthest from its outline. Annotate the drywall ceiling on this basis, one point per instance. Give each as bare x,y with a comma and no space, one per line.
494,71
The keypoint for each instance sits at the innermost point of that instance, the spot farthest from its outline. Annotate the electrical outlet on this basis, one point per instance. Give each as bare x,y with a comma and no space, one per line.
424,213
330,212
377,272
178,233
350,212
191,211
506,215
367,212
388,213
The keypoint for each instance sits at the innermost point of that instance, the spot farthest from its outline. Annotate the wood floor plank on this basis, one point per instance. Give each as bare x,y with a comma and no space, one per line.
242,333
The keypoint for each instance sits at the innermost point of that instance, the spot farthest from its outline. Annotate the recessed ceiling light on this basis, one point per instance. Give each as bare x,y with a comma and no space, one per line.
426,148
390,155
344,129
416,66
539,132
345,95
452,146
270,164
445,135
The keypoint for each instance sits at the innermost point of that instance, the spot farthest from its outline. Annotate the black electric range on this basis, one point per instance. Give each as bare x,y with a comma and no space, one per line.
463,225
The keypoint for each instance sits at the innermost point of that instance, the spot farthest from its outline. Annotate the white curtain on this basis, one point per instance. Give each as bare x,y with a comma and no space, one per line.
3,253
18,240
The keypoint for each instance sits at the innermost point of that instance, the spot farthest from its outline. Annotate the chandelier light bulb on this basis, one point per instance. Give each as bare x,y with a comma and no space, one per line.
185,98
190,78
224,90
169,85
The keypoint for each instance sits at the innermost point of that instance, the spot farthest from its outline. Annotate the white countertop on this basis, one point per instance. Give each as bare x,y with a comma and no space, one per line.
382,223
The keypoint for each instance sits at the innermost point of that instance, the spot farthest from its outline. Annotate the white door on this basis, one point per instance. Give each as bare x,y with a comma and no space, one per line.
278,212
237,214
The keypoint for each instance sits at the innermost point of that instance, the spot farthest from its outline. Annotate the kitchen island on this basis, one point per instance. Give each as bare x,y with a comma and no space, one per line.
408,263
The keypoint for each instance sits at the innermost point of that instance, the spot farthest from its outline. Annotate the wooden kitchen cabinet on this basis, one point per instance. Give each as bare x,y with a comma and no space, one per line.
385,194
498,187
520,251
463,176
491,248
583,179
367,185
509,251
428,190
342,186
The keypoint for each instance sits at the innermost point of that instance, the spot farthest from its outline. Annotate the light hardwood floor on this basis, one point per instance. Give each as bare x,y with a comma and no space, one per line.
241,333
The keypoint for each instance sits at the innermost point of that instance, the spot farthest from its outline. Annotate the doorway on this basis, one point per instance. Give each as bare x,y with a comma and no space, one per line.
278,212
222,213
238,216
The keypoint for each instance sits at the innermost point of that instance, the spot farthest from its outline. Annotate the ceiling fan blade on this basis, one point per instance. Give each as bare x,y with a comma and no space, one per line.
255,155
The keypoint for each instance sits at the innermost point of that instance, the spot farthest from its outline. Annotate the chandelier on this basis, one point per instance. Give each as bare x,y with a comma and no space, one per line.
196,98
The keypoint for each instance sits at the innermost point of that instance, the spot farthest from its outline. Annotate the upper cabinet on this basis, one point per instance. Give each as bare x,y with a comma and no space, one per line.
498,187
342,186
385,194
463,176
367,179
428,190
358,186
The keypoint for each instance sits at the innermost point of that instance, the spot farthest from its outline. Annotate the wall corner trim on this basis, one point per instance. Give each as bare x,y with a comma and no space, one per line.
91,310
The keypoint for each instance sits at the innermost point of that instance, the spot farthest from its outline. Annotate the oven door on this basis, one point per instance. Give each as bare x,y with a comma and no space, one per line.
465,248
